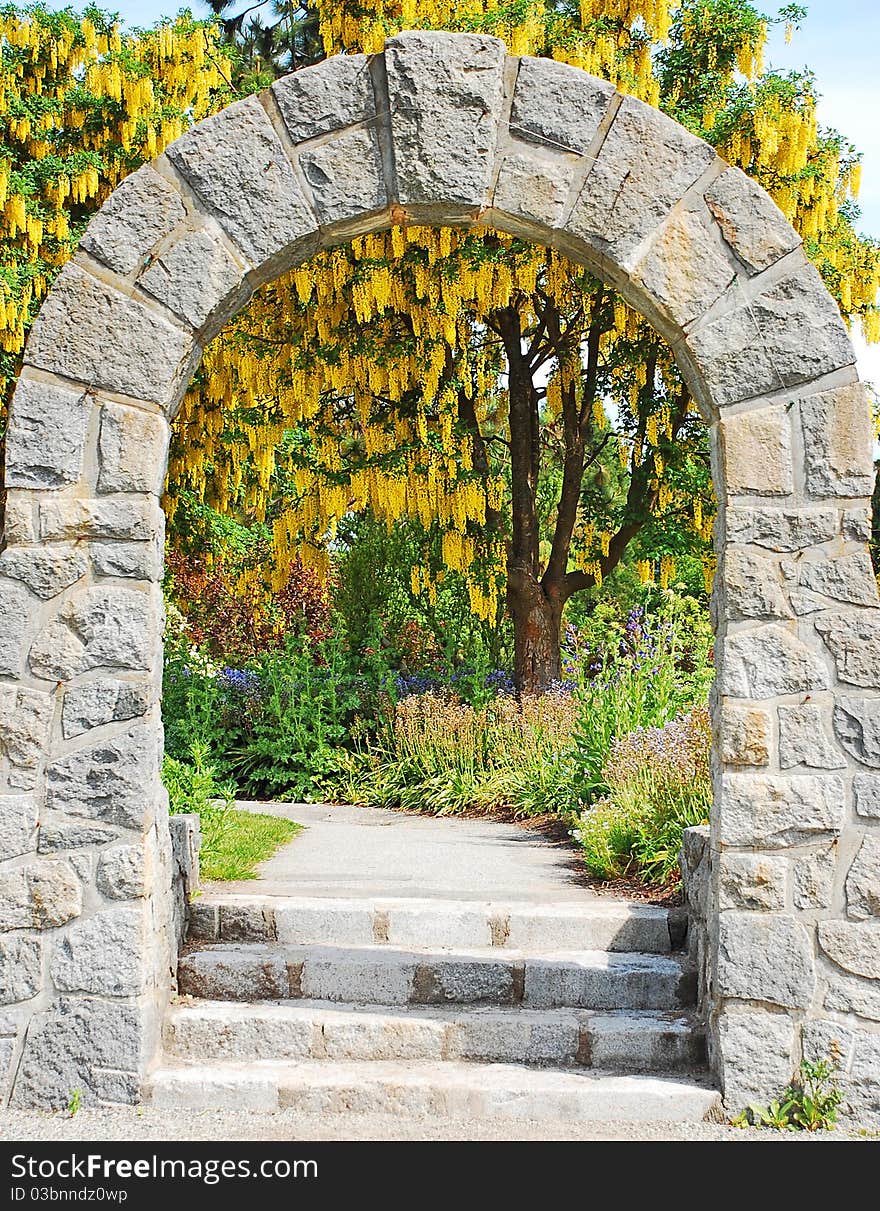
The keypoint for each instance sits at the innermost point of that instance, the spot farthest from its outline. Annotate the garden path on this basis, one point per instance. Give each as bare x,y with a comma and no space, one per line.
359,852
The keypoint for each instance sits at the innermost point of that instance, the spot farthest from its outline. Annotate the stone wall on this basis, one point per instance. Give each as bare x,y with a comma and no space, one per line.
443,129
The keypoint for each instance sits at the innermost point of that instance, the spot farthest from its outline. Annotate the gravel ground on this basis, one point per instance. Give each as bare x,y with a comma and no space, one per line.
144,1123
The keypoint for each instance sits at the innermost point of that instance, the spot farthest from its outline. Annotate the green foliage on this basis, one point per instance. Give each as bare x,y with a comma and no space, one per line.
74,1102
248,839
810,1102
658,785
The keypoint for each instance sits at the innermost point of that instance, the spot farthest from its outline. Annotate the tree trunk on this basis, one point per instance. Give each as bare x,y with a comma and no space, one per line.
537,620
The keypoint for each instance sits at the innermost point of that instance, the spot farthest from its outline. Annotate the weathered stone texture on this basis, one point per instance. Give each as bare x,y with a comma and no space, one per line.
854,640
15,624
132,560
195,277
791,333
79,961
25,719
854,947
753,226
857,725
98,702
745,735
752,586
326,97
70,1043
445,96
765,957
111,780
776,812
685,269
345,176
41,895
757,453
757,1056
88,331
770,660
236,164
109,517
18,825
620,207
21,972
804,740
122,872
849,578
532,187
141,211
813,878
838,442
46,571
58,834
781,529
556,104
100,628
132,447
752,881
866,792
863,881
46,437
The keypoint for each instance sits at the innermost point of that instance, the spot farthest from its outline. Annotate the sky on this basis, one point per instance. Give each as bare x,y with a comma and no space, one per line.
838,41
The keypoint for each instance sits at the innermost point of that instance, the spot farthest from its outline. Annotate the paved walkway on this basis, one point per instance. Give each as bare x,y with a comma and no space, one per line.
360,852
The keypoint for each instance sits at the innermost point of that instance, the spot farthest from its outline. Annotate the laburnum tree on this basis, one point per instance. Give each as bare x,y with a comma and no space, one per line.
533,427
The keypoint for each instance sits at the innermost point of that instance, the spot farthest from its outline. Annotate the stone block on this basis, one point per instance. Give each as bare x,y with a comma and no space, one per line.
346,176
745,735
847,994
757,1056
750,222
129,560
791,333
88,331
132,448
18,825
813,878
325,97
752,881
19,522
559,105
310,922
765,957
43,894
757,453
59,834
25,720
752,586
854,640
122,872
116,517
773,812
21,972
781,529
686,270
824,1039
112,780
857,523
849,578
196,278
533,187
141,211
838,442
236,164
645,165
107,627
46,571
866,791
445,95
425,926
16,607
81,960
70,1042
857,725
803,739
46,435
95,703
862,886
767,661
855,947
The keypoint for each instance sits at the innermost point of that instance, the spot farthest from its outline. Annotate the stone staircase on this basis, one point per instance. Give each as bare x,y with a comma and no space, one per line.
568,1011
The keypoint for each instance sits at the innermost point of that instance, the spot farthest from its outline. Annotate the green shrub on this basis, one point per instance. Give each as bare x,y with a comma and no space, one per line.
658,784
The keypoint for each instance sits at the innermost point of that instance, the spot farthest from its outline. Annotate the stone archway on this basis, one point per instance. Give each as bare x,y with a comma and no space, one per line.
448,129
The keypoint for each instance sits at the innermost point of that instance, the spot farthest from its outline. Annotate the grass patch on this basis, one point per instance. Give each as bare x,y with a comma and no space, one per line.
235,842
